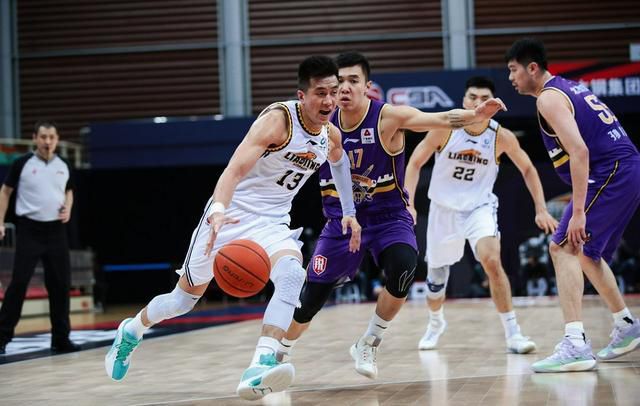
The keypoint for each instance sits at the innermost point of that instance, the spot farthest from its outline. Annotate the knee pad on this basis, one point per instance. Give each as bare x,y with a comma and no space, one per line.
288,276
170,305
437,279
399,263
313,297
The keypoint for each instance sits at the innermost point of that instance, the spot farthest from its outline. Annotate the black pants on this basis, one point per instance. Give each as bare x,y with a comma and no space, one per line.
37,240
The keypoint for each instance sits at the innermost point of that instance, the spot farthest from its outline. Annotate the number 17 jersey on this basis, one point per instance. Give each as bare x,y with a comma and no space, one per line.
466,169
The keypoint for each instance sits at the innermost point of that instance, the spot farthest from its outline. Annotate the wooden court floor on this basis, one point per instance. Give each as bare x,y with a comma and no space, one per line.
471,366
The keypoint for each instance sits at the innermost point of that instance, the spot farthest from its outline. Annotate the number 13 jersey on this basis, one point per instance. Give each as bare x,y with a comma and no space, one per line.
270,186
465,170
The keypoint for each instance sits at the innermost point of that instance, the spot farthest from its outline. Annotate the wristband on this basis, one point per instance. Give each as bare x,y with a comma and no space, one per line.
216,207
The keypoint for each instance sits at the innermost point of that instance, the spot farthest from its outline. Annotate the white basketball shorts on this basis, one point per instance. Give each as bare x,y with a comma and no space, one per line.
448,229
273,234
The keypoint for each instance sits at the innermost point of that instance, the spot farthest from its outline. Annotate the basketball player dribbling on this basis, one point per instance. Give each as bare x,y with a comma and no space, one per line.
591,152
373,136
286,144
463,207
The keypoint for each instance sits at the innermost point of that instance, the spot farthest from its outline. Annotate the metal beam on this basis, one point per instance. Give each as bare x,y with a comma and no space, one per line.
8,128
234,53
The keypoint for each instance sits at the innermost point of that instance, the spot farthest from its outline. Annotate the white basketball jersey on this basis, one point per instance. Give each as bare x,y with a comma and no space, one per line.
270,186
465,170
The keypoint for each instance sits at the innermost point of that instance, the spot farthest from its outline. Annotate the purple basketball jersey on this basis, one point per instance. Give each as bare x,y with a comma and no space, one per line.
378,177
602,133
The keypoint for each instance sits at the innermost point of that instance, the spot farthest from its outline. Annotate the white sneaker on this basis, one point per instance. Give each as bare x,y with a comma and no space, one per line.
429,340
519,344
364,354
268,376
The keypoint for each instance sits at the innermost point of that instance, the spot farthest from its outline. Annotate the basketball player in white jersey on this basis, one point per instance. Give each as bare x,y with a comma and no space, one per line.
252,199
463,207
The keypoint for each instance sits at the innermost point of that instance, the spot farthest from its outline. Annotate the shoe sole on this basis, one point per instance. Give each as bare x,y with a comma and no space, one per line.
619,352
577,366
109,363
369,374
276,379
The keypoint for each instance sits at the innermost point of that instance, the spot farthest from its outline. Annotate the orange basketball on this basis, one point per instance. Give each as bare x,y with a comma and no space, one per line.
242,268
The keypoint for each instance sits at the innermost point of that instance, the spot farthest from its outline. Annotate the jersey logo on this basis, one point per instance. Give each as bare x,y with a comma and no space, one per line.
366,136
471,141
319,264
469,155
312,142
303,160
354,140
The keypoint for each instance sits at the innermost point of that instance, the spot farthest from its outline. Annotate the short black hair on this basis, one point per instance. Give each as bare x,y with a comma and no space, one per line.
481,82
352,58
527,50
45,124
317,66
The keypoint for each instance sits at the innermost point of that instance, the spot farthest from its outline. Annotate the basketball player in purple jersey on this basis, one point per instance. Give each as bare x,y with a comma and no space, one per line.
373,137
591,152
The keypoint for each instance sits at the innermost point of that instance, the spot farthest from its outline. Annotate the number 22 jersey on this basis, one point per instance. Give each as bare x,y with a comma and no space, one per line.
466,169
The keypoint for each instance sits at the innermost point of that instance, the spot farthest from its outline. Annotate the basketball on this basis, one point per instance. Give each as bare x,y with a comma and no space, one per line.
242,268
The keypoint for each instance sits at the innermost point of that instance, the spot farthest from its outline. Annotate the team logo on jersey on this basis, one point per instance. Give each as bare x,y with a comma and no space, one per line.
303,160
366,136
469,155
319,264
362,185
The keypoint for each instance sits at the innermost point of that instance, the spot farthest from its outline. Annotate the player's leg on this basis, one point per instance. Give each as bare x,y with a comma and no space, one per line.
330,263
488,253
398,262
445,247
313,297
196,274
606,236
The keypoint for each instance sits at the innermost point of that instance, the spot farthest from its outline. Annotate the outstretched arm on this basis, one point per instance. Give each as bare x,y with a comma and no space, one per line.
432,142
409,118
508,143
557,112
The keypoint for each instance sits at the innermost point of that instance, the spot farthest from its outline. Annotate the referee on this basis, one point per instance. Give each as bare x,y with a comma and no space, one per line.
44,187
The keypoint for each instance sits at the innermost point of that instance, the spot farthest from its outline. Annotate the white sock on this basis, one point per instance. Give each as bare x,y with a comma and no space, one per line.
623,318
509,323
436,318
266,345
135,326
377,326
286,346
574,331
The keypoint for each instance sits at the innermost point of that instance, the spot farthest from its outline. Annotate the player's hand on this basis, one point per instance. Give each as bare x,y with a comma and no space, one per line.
489,108
349,222
414,214
546,222
64,214
216,221
2,231
576,231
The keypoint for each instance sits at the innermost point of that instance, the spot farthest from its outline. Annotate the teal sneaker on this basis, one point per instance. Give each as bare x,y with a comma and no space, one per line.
623,341
118,359
567,358
266,377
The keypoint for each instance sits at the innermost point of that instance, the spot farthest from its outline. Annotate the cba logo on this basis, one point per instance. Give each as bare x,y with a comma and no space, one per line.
422,97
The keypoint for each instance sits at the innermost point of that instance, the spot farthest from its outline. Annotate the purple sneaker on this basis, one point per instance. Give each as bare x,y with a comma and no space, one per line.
567,358
623,341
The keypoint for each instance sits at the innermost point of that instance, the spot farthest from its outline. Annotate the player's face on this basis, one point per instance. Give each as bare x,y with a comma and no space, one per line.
520,78
474,96
353,88
46,140
319,100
